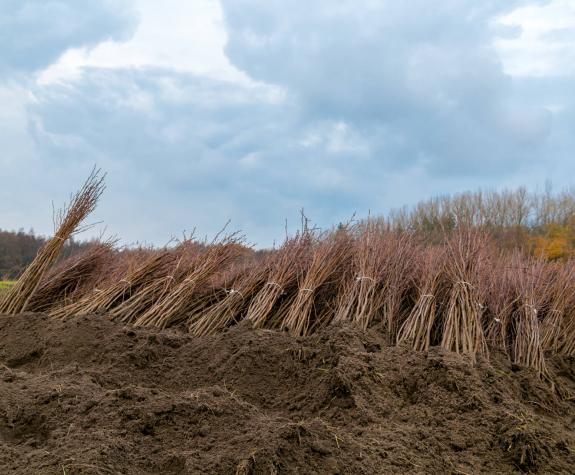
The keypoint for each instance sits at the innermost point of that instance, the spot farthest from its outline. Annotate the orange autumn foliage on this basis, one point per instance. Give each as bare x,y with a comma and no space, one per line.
557,242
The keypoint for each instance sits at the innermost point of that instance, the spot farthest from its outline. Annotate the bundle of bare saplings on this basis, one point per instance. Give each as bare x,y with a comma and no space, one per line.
460,292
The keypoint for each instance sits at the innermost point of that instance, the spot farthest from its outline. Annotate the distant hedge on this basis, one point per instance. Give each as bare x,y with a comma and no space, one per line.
17,249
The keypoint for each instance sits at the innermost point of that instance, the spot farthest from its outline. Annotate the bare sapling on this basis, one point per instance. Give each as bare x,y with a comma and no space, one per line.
420,327
233,306
530,286
329,258
102,300
175,304
462,329
67,223
561,292
288,262
72,278
155,289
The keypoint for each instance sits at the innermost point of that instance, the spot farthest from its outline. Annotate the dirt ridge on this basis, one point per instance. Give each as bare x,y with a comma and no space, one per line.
91,396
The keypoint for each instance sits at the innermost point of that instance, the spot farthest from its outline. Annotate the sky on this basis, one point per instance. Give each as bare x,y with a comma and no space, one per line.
204,111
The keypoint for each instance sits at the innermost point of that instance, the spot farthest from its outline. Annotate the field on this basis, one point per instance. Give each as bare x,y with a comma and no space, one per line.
5,285
361,349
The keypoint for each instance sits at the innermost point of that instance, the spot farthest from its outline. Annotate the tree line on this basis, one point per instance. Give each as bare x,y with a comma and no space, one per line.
542,224
18,249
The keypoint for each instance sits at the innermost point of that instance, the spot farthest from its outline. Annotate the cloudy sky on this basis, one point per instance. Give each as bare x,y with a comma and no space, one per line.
204,110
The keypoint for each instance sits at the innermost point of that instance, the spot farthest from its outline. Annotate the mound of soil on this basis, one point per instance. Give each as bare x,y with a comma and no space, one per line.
89,396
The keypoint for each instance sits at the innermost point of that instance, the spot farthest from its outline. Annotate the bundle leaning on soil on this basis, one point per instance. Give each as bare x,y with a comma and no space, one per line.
69,219
420,327
155,289
531,289
357,300
397,279
232,307
381,274
213,291
496,281
289,261
71,278
328,262
562,296
175,304
567,346
462,330
104,299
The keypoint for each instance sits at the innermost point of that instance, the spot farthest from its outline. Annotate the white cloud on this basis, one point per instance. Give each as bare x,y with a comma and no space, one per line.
183,36
546,43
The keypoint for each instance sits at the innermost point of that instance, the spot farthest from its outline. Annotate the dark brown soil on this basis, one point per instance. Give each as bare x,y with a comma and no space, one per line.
93,397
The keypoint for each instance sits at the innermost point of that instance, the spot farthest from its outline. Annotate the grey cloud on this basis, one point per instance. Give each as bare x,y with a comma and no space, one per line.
382,107
431,81
213,150
205,150
34,33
